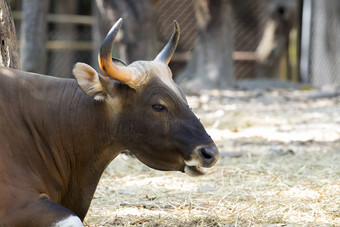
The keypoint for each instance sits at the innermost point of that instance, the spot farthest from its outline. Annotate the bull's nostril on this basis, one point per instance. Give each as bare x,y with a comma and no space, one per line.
206,153
207,156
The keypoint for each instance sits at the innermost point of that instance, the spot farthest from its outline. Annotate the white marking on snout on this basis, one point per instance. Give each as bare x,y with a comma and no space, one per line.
192,163
71,221
196,159
193,173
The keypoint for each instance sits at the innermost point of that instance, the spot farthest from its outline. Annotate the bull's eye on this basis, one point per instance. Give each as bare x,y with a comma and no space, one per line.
159,108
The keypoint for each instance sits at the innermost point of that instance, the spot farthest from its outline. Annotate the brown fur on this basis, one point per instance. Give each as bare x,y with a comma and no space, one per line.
56,139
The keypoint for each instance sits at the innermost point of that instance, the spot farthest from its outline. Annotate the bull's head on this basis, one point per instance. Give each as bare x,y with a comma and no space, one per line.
155,121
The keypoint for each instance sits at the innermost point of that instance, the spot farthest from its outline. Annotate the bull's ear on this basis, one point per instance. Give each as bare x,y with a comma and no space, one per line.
89,81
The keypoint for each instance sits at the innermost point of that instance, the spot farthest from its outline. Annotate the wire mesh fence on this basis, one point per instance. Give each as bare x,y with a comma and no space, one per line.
249,19
69,40
182,11
324,56
65,51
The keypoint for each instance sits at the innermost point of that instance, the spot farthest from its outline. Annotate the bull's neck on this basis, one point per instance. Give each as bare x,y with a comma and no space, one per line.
72,127
94,148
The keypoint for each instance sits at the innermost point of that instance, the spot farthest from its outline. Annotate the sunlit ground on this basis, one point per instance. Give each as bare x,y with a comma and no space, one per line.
279,165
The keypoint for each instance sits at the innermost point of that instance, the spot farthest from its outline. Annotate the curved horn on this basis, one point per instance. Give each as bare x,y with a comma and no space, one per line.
120,73
169,49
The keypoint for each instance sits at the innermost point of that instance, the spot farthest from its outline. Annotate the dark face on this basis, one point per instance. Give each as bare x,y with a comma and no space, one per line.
150,115
160,128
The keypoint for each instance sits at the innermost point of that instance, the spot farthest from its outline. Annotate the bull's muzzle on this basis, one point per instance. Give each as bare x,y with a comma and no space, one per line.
209,155
203,157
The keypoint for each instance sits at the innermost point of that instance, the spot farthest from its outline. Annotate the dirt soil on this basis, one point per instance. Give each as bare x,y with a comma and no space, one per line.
279,166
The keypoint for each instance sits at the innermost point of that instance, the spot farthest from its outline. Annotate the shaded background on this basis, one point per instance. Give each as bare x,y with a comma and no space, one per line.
249,38
279,148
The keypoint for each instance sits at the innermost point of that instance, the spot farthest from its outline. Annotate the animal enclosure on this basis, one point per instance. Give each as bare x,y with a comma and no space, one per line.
279,165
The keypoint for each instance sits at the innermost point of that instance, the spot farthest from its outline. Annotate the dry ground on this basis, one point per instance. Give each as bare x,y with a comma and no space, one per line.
279,165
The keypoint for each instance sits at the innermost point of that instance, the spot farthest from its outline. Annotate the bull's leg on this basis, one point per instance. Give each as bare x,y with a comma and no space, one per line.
42,212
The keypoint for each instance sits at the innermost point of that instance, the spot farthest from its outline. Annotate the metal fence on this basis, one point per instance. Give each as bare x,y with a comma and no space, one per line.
320,60
63,51
249,17
324,43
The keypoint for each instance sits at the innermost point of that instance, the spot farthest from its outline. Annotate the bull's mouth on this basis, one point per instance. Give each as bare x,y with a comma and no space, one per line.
194,171
201,159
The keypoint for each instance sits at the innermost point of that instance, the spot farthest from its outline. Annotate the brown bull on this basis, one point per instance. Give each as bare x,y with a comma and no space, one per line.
58,135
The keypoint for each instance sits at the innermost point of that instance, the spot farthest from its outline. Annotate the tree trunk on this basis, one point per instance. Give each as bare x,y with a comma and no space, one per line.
211,64
9,55
33,35
138,39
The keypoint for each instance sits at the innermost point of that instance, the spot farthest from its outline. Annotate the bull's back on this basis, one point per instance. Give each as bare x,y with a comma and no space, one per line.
25,156
16,88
